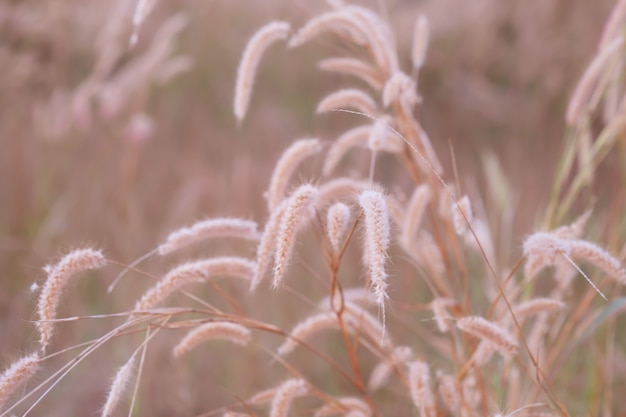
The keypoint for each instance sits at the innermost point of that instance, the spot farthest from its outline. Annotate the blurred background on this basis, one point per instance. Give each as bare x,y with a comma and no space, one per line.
114,146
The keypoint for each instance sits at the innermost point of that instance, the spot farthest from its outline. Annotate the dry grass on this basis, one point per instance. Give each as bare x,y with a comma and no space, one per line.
400,260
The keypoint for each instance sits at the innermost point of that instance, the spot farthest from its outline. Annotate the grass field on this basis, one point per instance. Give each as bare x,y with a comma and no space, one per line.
519,204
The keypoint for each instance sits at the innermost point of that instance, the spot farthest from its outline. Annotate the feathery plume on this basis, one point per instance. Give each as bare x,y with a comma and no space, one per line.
380,41
118,386
495,335
402,89
360,320
285,394
209,229
194,272
377,138
262,397
233,332
359,137
376,220
421,391
483,353
336,225
543,249
595,255
341,188
255,48
415,213
297,214
267,245
347,20
448,391
58,277
285,167
16,374
421,35
307,328
536,306
354,67
427,148
426,253
356,319
349,98
381,373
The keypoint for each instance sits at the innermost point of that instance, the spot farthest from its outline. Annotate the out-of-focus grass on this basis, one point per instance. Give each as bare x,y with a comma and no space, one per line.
497,76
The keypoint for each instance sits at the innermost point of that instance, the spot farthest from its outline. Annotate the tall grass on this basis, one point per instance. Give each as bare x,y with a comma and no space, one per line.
365,295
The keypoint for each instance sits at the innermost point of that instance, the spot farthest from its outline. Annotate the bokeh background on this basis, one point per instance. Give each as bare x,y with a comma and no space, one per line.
99,146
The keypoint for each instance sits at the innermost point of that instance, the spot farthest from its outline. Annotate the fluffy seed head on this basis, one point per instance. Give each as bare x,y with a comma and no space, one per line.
267,246
448,391
378,137
402,89
285,167
285,394
298,212
360,320
543,249
262,397
421,391
118,386
342,188
257,45
209,229
355,67
349,98
354,137
545,245
336,225
233,332
58,277
421,34
306,329
595,255
536,306
16,374
487,331
193,272
381,373
415,213
376,220
361,26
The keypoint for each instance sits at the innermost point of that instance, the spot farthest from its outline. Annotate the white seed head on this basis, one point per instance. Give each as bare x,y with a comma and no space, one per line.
257,45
